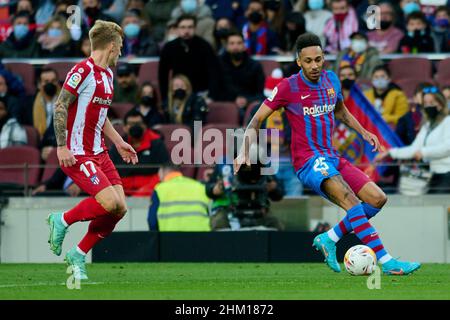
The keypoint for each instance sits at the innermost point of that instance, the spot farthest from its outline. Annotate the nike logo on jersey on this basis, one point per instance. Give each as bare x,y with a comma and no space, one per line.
304,97
318,110
98,82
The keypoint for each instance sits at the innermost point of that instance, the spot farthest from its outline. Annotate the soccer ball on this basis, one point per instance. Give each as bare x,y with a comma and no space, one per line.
360,260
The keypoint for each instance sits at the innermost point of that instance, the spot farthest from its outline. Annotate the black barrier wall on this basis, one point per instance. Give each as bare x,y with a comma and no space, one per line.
248,246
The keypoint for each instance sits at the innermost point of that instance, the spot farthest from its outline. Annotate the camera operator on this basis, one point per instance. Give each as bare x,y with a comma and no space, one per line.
243,200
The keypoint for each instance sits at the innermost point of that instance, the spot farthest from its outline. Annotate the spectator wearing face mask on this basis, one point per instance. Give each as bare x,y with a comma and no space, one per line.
44,102
360,56
205,22
183,106
138,41
22,41
293,28
27,6
387,38
406,8
441,29
417,38
244,77
148,105
150,150
340,27
347,77
222,29
11,132
386,97
432,143
258,37
316,16
126,87
55,41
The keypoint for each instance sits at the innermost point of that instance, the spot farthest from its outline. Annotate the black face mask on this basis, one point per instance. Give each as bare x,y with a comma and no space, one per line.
255,17
91,11
179,94
431,112
136,131
148,101
347,84
237,56
221,33
50,89
385,24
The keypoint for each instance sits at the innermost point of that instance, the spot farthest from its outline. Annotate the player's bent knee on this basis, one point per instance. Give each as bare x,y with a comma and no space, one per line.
379,200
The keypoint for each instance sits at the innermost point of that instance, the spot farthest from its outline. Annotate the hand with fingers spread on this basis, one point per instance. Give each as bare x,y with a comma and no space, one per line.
127,152
65,157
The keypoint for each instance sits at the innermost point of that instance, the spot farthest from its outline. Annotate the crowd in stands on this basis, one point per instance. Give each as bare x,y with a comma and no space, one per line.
206,51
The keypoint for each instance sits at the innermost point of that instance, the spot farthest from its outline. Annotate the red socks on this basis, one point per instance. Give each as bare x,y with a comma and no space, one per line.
100,228
88,209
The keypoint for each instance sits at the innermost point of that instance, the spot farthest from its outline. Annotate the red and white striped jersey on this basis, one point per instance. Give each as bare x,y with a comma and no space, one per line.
93,87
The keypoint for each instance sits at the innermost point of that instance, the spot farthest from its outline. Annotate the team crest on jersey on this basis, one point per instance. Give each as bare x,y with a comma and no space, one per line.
274,93
331,93
95,180
74,80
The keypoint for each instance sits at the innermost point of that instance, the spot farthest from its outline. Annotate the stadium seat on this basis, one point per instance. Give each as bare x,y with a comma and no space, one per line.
443,73
119,110
18,156
25,72
408,85
223,113
51,165
201,144
62,68
166,132
409,68
248,111
149,72
269,65
32,136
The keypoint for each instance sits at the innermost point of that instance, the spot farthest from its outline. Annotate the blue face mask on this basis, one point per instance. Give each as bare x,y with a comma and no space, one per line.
20,31
189,6
315,4
412,34
410,8
131,30
54,32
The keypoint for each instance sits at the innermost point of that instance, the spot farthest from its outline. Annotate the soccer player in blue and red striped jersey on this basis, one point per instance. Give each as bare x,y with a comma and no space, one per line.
312,100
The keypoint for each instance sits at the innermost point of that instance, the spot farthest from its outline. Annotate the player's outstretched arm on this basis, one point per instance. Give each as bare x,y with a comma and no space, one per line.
343,115
250,136
65,99
126,151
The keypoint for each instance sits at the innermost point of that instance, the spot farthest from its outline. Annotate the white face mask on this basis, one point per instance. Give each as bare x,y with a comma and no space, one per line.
359,45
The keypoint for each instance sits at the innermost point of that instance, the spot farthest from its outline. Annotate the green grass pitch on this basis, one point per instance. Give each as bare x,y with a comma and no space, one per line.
211,281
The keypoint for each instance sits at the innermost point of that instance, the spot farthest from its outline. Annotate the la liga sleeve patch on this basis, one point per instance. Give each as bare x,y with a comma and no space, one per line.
273,94
74,80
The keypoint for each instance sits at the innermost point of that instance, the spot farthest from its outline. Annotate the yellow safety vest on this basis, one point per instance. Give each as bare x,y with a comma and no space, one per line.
183,205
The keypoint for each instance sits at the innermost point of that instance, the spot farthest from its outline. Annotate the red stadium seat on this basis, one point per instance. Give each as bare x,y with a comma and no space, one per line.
409,85
51,165
223,113
149,72
25,72
33,139
19,156
119,110
269,65
62,68
208,139
410,68
166,132
443,73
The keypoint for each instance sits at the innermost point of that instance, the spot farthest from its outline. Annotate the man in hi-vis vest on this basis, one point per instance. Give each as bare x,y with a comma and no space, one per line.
178,203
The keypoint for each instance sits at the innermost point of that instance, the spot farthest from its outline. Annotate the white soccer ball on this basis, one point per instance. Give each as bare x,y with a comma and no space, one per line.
360,260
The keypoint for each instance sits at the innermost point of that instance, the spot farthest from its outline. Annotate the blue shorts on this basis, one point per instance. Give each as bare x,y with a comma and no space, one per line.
316,170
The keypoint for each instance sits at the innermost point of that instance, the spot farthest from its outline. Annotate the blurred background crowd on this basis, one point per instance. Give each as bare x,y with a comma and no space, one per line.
215,61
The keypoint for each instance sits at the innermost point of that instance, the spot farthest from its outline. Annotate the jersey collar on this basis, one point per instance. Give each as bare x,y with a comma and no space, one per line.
309,83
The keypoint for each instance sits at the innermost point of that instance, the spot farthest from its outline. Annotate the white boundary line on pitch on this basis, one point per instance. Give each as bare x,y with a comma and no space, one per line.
42,284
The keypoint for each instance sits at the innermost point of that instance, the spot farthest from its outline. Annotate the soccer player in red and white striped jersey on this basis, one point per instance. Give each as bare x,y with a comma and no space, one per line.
80,121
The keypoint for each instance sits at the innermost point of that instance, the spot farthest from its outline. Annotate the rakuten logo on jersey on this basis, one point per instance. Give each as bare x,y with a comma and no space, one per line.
102,101
318,110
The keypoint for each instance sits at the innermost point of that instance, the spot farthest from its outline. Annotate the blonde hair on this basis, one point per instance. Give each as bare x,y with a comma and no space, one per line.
103,33
62,22
178,118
